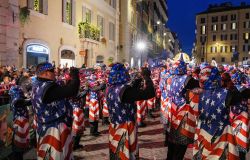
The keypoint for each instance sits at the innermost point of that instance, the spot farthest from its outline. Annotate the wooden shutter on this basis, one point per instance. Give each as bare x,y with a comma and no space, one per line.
30,4
64,2
73,12
45,7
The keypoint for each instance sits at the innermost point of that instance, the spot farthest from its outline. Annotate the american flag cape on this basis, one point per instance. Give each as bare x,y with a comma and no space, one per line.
78,119
105,111
93,107
150,103
21,132
240,122
177,107
214,138
141,110
123,140
56,144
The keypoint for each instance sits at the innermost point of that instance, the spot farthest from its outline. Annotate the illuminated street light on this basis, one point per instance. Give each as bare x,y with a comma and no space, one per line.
165,34
141,46
158,22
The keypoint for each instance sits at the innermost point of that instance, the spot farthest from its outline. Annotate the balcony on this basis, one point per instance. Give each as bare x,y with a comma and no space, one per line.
88,32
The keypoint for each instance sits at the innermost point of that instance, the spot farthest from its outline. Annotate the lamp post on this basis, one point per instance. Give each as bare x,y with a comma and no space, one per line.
141,46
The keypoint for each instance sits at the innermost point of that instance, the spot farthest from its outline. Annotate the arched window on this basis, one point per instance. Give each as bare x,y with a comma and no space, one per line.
67,58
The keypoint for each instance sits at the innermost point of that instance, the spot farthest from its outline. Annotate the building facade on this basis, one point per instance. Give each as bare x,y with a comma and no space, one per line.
72,32
9,32
142,21
222,34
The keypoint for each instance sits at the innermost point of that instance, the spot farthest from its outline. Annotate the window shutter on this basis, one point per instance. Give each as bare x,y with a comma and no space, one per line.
73,12
83,13
45,7
30,4
64,2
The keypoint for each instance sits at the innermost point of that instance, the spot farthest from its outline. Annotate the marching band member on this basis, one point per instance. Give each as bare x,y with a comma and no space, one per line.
53,112
121,99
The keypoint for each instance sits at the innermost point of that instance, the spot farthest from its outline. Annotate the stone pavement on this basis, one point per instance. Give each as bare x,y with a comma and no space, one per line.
151,143
151,140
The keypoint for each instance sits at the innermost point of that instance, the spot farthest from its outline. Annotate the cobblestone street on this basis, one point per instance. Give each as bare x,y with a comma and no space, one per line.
151,143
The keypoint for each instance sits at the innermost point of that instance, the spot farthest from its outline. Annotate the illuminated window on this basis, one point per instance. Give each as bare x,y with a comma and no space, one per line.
203,29
214,27
224,26
246,36
213,49
233,26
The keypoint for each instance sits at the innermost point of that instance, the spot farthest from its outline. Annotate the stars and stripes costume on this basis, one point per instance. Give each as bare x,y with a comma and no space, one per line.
54,122
20,118
122,130
214,138
178,108
239,115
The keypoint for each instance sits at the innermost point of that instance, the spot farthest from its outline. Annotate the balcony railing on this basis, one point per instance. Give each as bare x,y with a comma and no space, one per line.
89,31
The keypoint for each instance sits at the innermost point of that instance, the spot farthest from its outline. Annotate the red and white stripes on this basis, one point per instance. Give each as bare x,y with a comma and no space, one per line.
123,140
93,110
105,111
21,132
141,110
55,144
78,121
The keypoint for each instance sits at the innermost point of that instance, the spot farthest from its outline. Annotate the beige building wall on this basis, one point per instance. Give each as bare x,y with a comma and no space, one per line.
52,32
203,51
9,32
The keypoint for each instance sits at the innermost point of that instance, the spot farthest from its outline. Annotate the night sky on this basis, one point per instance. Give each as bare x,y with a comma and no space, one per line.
182,18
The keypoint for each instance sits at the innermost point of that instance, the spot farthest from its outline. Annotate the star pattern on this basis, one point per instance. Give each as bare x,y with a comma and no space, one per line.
119,112
213,114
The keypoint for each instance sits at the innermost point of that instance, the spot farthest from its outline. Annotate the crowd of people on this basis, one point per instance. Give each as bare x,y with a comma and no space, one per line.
206,106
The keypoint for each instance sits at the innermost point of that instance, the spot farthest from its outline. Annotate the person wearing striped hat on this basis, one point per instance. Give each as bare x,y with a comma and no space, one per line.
121,97
53,112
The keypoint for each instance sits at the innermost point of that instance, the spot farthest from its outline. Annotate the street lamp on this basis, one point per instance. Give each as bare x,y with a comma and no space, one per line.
141,46
158,22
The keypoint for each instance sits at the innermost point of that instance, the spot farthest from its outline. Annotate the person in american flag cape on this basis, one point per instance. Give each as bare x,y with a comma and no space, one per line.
18,104
53,112
239,115
214,137
121,97
177,107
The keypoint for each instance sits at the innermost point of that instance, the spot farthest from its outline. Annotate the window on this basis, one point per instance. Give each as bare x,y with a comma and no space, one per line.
215,19
113,3
100,25
202,59
203,20
245,36
223,18
69,12
213,58
88,15
203,39
203,29
213,49
223,49
111,31
244,48
224,26
233,49
233,36
223,37
247,16
223,59
247,24
40,6
214,27
214,37
233,17
233,26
